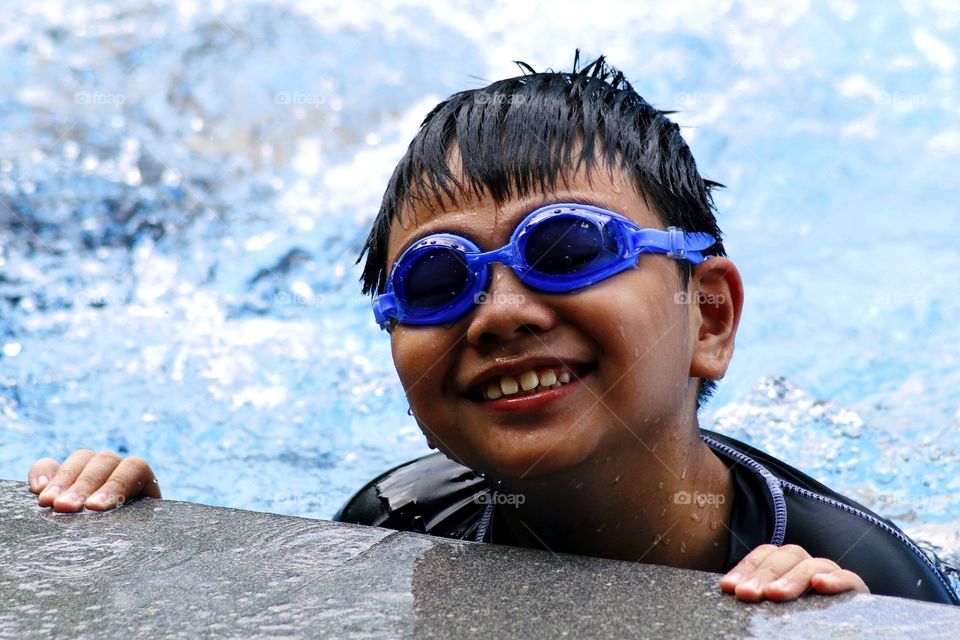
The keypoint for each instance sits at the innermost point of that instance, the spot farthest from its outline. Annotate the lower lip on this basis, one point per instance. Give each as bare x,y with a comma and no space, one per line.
531,403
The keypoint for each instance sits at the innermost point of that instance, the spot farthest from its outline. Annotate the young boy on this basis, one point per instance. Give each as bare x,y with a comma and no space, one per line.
549,267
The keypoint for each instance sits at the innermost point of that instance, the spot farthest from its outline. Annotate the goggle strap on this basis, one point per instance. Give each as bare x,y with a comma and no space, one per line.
674,242
385,309
676,248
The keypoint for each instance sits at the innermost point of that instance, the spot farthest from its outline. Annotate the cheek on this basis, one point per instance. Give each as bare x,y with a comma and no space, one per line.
410,357
423,364
648,347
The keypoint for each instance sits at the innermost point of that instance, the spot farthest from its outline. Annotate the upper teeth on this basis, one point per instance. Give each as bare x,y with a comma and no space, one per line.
526,382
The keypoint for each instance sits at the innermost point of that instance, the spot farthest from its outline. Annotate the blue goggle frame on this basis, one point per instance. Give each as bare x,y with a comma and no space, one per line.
618,242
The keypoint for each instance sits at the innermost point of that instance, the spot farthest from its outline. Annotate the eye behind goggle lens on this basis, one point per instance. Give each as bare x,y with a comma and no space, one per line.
434,278
566,245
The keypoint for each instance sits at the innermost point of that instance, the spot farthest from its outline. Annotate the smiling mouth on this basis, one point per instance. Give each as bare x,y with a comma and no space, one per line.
528,383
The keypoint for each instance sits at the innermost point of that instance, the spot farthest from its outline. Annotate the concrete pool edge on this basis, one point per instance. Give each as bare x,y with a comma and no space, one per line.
158,567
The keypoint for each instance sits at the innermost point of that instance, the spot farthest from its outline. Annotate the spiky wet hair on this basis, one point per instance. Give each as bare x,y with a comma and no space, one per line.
523,135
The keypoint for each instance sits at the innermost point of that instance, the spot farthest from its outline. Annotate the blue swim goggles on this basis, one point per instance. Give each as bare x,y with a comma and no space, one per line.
556,249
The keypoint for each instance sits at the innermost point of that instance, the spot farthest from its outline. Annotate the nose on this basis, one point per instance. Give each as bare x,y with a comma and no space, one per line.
508,309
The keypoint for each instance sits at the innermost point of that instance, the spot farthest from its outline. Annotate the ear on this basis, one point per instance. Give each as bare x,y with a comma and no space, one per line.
716,300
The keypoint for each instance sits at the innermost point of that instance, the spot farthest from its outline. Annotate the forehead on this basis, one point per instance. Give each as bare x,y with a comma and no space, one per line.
490,224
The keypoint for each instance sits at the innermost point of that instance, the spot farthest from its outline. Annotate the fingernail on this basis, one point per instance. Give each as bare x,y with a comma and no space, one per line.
101,498
71,497
779,584
42,481
752,585
51,492
734,577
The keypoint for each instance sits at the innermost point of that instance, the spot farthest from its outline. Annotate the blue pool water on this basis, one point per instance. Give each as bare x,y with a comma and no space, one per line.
184,187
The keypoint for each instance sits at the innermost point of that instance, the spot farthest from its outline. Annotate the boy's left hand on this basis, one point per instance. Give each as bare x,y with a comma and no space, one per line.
787,572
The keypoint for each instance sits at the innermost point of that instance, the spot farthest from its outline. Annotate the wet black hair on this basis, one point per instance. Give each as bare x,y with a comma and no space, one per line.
522,135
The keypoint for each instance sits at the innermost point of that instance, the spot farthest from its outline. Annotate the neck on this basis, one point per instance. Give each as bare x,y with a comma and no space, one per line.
662,504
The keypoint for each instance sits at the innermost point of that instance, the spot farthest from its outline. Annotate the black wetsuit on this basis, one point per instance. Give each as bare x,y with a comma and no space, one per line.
773,503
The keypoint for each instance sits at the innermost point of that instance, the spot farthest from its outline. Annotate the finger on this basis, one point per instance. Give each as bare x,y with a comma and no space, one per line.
838,581
773,566
41,472
94,474
65,476
746,567
131,478
797,581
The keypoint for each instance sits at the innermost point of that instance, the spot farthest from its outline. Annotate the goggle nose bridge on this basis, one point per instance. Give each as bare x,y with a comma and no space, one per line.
507,255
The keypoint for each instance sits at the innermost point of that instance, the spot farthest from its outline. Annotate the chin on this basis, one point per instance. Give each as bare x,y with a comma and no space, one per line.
534,462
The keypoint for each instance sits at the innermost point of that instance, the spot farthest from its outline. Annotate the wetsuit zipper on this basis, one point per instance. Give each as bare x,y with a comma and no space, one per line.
484,525
773,485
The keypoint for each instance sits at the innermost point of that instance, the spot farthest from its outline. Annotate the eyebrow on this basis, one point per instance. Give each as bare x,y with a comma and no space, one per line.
594,202
523,213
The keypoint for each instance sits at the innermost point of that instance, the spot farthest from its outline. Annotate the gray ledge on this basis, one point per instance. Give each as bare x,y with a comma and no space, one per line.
157,568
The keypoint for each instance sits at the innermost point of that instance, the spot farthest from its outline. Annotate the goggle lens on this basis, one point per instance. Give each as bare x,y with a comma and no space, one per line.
565,245
434,279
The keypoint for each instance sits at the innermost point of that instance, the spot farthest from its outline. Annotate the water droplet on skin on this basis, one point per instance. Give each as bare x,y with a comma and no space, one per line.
683,547
695,516
713,525
617,479
664,512
684,474
659,485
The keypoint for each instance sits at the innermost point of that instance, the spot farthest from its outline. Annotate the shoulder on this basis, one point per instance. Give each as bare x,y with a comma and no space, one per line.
429,495
829,525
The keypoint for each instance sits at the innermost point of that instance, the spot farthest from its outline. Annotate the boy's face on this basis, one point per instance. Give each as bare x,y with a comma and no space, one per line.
626,341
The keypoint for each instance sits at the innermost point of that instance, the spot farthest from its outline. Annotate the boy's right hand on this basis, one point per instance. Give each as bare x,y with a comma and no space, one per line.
97,481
